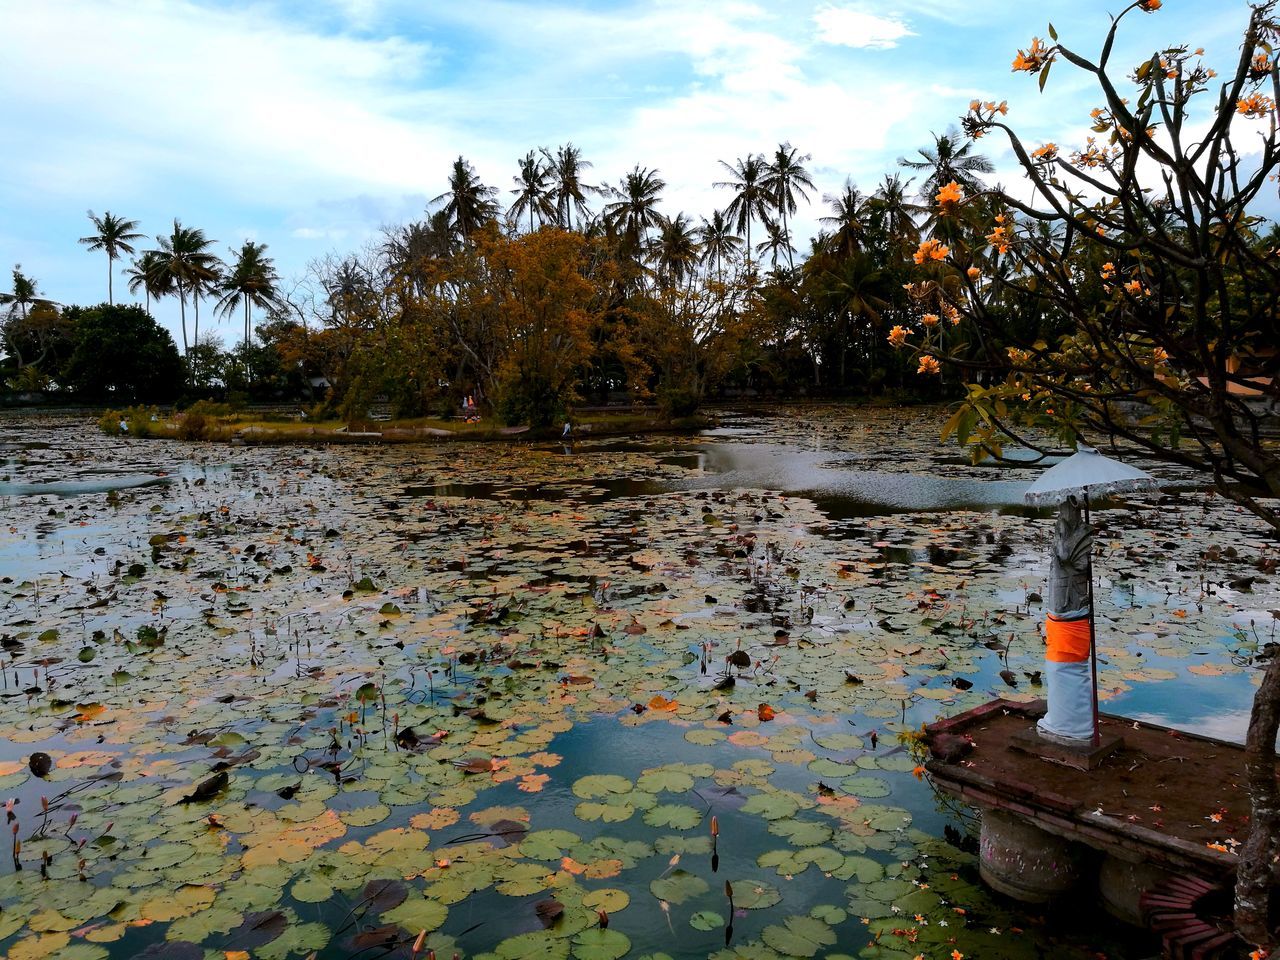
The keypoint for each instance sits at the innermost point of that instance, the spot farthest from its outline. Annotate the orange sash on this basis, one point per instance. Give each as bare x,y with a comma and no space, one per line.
1067,641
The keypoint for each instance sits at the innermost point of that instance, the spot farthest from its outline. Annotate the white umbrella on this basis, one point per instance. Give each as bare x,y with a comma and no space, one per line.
1084,474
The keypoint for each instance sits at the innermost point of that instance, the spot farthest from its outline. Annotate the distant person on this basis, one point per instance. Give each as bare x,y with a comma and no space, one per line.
568,430
124,425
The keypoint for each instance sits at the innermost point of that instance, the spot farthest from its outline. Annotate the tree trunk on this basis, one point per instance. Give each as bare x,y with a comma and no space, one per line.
111,298
182,310
1256,873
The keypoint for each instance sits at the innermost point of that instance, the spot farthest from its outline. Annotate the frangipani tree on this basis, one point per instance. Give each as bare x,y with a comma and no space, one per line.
1129,290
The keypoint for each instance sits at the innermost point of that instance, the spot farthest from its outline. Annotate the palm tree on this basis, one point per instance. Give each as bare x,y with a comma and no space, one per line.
532,191
895,213
468,202
24,295
785,179
676,251
568,191
751,200
848,219
185,264
114,236
204,283
251,282
949,159
719,242
636,209
775,242
146,275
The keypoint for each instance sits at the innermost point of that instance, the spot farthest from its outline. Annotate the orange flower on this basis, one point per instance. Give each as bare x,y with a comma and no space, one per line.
930,250
929,365
930,319
918,773
1046,153
898,336
1159,355
1033,58
957,955
1108,270
999,237
949,196
952,314
1255,105
974,273
1150,6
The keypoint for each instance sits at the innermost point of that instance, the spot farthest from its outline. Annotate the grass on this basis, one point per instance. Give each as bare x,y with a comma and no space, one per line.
271,430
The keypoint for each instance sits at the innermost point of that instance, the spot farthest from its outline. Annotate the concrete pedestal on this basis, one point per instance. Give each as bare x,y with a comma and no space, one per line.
1027,863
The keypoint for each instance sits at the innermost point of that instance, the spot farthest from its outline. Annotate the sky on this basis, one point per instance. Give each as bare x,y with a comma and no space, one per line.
310,125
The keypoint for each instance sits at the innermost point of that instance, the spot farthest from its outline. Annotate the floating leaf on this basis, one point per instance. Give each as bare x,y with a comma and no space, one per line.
678,886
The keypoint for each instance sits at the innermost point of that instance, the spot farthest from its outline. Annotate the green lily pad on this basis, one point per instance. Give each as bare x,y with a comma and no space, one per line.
678,886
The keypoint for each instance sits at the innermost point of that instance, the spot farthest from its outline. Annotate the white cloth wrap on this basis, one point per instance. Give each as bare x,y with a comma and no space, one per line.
1070,713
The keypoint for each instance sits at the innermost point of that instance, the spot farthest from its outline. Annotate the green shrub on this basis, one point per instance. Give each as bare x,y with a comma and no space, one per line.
678,401
193,425
141,421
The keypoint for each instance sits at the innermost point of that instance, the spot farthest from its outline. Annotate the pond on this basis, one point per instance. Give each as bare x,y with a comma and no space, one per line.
648,697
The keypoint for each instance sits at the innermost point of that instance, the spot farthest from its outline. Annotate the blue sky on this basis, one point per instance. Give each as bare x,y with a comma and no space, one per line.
310,124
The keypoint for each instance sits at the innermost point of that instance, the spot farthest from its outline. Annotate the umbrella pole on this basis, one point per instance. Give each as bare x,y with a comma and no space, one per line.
1093,643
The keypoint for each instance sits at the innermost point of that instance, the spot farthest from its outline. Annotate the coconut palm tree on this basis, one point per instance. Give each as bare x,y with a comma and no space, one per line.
25,294
775,242
145,275
947,160
895,213
751,199
848,219
568,191
719,242
113,236
785,179
675,251
204,283
468,202
250,282
635,211
533,191
184,264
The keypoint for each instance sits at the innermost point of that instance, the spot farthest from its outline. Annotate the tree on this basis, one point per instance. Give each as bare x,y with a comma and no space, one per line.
468,203
122,356
1142,252
145,274
675,251
533,192
113,235
24,295
894,214
785,179
775,242
41,338
848,219
949,159
251,282
569,192
185,264
635,211
546,304
752,200
719,242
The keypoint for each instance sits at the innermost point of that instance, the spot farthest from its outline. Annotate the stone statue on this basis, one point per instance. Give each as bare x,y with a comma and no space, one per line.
1067,630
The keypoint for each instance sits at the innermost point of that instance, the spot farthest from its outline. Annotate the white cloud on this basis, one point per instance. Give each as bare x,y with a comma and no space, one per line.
854,27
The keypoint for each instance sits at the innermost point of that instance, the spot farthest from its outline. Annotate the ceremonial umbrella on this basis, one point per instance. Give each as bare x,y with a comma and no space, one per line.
1084,474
